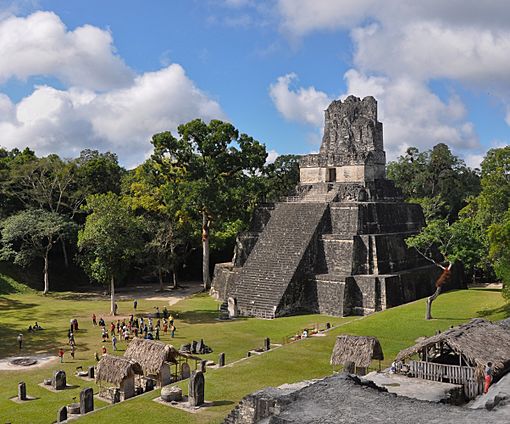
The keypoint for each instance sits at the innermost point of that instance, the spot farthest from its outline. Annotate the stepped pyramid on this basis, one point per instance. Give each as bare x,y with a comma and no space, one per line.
337,245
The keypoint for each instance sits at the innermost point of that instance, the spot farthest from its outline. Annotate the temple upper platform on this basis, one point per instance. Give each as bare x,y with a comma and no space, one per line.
352,146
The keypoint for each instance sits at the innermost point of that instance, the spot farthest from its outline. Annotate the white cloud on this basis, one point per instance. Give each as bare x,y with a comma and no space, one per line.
106,105
414,116
40,44
271,156
399,48
304,105
122,120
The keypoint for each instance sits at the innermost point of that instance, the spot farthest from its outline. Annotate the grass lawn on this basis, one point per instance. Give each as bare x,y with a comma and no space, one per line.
396,328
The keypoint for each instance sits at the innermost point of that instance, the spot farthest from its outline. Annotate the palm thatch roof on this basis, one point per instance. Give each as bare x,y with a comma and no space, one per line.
114,369
479,341
150,354
358,349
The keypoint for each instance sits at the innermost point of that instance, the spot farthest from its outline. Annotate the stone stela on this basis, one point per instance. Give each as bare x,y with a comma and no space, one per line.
337,244
196,388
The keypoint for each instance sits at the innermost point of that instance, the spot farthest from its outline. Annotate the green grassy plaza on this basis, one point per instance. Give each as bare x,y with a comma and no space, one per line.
396,329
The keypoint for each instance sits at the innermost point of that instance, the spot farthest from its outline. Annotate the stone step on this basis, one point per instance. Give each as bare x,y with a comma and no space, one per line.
276,256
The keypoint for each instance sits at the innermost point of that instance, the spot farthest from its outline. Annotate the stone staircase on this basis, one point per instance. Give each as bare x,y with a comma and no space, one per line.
276,257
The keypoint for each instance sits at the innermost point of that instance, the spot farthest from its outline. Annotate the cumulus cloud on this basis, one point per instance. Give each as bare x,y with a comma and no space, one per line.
399,48
40,44
105,106
304,105
271,156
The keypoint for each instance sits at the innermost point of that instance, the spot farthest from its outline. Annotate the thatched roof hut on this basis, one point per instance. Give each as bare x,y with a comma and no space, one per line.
358,349
115,369
150,354
478,341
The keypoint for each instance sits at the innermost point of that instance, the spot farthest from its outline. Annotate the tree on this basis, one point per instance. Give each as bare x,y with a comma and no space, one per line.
455,242
110,239
31,234
281,177
499,238
157,199
436,174
214,164
98,173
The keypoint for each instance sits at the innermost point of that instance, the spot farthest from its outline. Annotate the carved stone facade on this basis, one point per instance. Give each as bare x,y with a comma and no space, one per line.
337,246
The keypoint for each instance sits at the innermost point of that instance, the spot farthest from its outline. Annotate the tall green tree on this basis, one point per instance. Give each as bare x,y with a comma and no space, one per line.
499,238
214,164
31,234
111,238
157,199
438,175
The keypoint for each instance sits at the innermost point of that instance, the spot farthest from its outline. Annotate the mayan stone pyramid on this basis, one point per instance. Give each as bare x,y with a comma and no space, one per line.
337,245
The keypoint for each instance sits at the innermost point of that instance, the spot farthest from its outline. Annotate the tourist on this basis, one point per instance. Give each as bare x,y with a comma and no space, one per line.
104,334
305,333
96,356
172,331
101,322
115,308
30,330
393,368
171,319
157,333
157,311
165,327
61,355
488,372
149,336
126,335
20,340
135,304
37,326
71,338
112,329
72,351
114,342
94,322
103,350
165,312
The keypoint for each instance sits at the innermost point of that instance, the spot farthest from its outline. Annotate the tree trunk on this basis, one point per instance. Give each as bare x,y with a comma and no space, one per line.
46,274
160,276
205,252
112,297
64,252
430,299
174,277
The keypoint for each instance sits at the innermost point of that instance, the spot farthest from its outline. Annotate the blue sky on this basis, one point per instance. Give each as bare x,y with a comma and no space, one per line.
107,75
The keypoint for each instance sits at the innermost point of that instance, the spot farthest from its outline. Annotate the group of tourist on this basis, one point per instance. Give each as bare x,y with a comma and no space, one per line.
147,327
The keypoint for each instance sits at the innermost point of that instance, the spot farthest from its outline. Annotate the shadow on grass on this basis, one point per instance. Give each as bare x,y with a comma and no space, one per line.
12,304
40,341
505,310
486,290
79,296
205,316
222,402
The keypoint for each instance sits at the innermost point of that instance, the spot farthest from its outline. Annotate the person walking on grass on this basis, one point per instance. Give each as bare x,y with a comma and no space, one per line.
61,355
20,340
172,331
73,348
94,319
135,304
103,350
114,343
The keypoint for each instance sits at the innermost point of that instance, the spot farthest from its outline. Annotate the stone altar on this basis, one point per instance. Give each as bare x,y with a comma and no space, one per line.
337,245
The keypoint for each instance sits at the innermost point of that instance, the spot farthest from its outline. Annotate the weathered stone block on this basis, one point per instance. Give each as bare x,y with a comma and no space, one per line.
86,400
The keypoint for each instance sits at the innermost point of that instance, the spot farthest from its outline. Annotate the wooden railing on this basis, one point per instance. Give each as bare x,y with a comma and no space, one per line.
454,374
